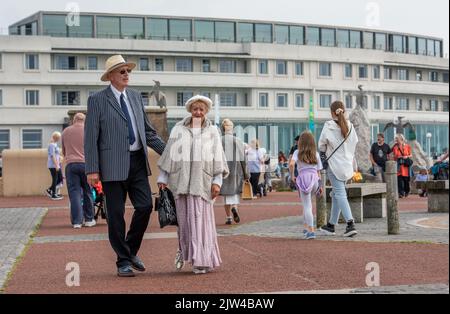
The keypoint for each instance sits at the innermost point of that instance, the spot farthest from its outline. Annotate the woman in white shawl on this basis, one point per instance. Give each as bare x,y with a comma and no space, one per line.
193,166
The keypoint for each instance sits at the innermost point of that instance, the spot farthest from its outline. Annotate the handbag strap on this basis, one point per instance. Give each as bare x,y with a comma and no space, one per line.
345,139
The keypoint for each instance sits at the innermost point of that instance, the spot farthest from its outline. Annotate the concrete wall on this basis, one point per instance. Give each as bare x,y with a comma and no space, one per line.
25,172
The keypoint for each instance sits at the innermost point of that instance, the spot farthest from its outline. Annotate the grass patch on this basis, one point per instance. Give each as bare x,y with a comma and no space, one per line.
24,252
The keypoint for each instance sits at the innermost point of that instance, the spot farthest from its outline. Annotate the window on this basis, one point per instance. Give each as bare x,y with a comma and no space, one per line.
184,65
158,29
32,97
388,103
224,32
430,47
263,100
445,77
54,25
419,104
397,43
228,99
4,140
143,64
434,105
325,101
227,66
206,65
355,39
348,71
388,73
245,33
444,107
281,67
296,34
376,72
363,71
66,62
92,63
299,100
263,33
419,76
437,48
68,98
412,45
325,69
206,94
108,27
32,61
281,34
263,66
312,36
402,103
376,102
327,37
85,29
204,31
282,100
434,76
403,74
299,68
368,40
31,139
380,41
159,64
343,38
132,27
1,97
180,30
0,61
183,97
422,46
145,98
348,101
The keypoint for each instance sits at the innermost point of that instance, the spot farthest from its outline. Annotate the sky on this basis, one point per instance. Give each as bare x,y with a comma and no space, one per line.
429,18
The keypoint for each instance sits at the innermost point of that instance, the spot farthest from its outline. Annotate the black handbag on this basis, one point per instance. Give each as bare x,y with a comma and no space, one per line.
165,205
407,162
323,156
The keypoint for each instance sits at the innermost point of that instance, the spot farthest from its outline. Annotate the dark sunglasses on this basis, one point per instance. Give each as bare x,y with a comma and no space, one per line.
125,71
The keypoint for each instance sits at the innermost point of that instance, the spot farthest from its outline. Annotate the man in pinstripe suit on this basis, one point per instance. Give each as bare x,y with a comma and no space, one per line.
117,133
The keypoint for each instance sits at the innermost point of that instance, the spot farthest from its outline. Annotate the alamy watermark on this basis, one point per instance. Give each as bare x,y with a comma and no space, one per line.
73,17
73,277
373,14
373,277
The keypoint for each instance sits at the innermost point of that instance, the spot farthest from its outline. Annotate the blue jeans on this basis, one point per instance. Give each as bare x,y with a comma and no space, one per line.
80,195
339,200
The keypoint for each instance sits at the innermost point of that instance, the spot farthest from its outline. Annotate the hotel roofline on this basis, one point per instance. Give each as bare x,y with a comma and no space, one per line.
39,14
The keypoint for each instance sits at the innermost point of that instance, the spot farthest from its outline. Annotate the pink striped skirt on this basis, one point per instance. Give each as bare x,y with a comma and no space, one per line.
197,233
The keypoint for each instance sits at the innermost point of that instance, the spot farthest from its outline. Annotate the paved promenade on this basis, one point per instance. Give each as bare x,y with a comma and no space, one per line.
263,254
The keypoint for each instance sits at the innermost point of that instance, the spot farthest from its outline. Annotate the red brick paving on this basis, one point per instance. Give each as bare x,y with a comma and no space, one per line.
250,265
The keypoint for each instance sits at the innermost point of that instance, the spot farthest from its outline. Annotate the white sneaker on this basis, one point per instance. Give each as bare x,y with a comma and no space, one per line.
179,262
90,223
199,270
77,226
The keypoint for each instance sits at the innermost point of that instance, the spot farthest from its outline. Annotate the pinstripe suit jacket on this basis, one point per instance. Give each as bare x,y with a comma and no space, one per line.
106,144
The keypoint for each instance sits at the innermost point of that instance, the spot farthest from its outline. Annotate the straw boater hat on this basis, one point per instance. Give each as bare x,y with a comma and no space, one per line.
203,99
113,63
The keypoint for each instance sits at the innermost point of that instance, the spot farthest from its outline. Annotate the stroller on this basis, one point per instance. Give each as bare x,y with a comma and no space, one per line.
99,201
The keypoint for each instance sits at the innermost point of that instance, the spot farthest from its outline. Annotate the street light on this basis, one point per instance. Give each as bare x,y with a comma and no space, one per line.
429,135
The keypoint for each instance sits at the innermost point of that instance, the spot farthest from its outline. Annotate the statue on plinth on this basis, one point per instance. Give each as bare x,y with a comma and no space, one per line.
160,97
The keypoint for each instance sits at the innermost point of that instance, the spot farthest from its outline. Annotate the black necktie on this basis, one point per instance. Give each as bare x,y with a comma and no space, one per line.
131,137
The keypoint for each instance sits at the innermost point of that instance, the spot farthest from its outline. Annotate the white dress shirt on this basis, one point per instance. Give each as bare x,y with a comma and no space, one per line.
137,144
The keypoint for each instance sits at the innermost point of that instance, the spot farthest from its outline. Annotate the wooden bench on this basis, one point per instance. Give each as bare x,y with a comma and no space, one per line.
437,190
367,200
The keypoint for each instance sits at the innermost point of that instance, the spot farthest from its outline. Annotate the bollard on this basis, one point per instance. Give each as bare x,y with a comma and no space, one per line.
321,202
392,197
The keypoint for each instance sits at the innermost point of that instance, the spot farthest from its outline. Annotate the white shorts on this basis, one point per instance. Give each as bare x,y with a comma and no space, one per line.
232,199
